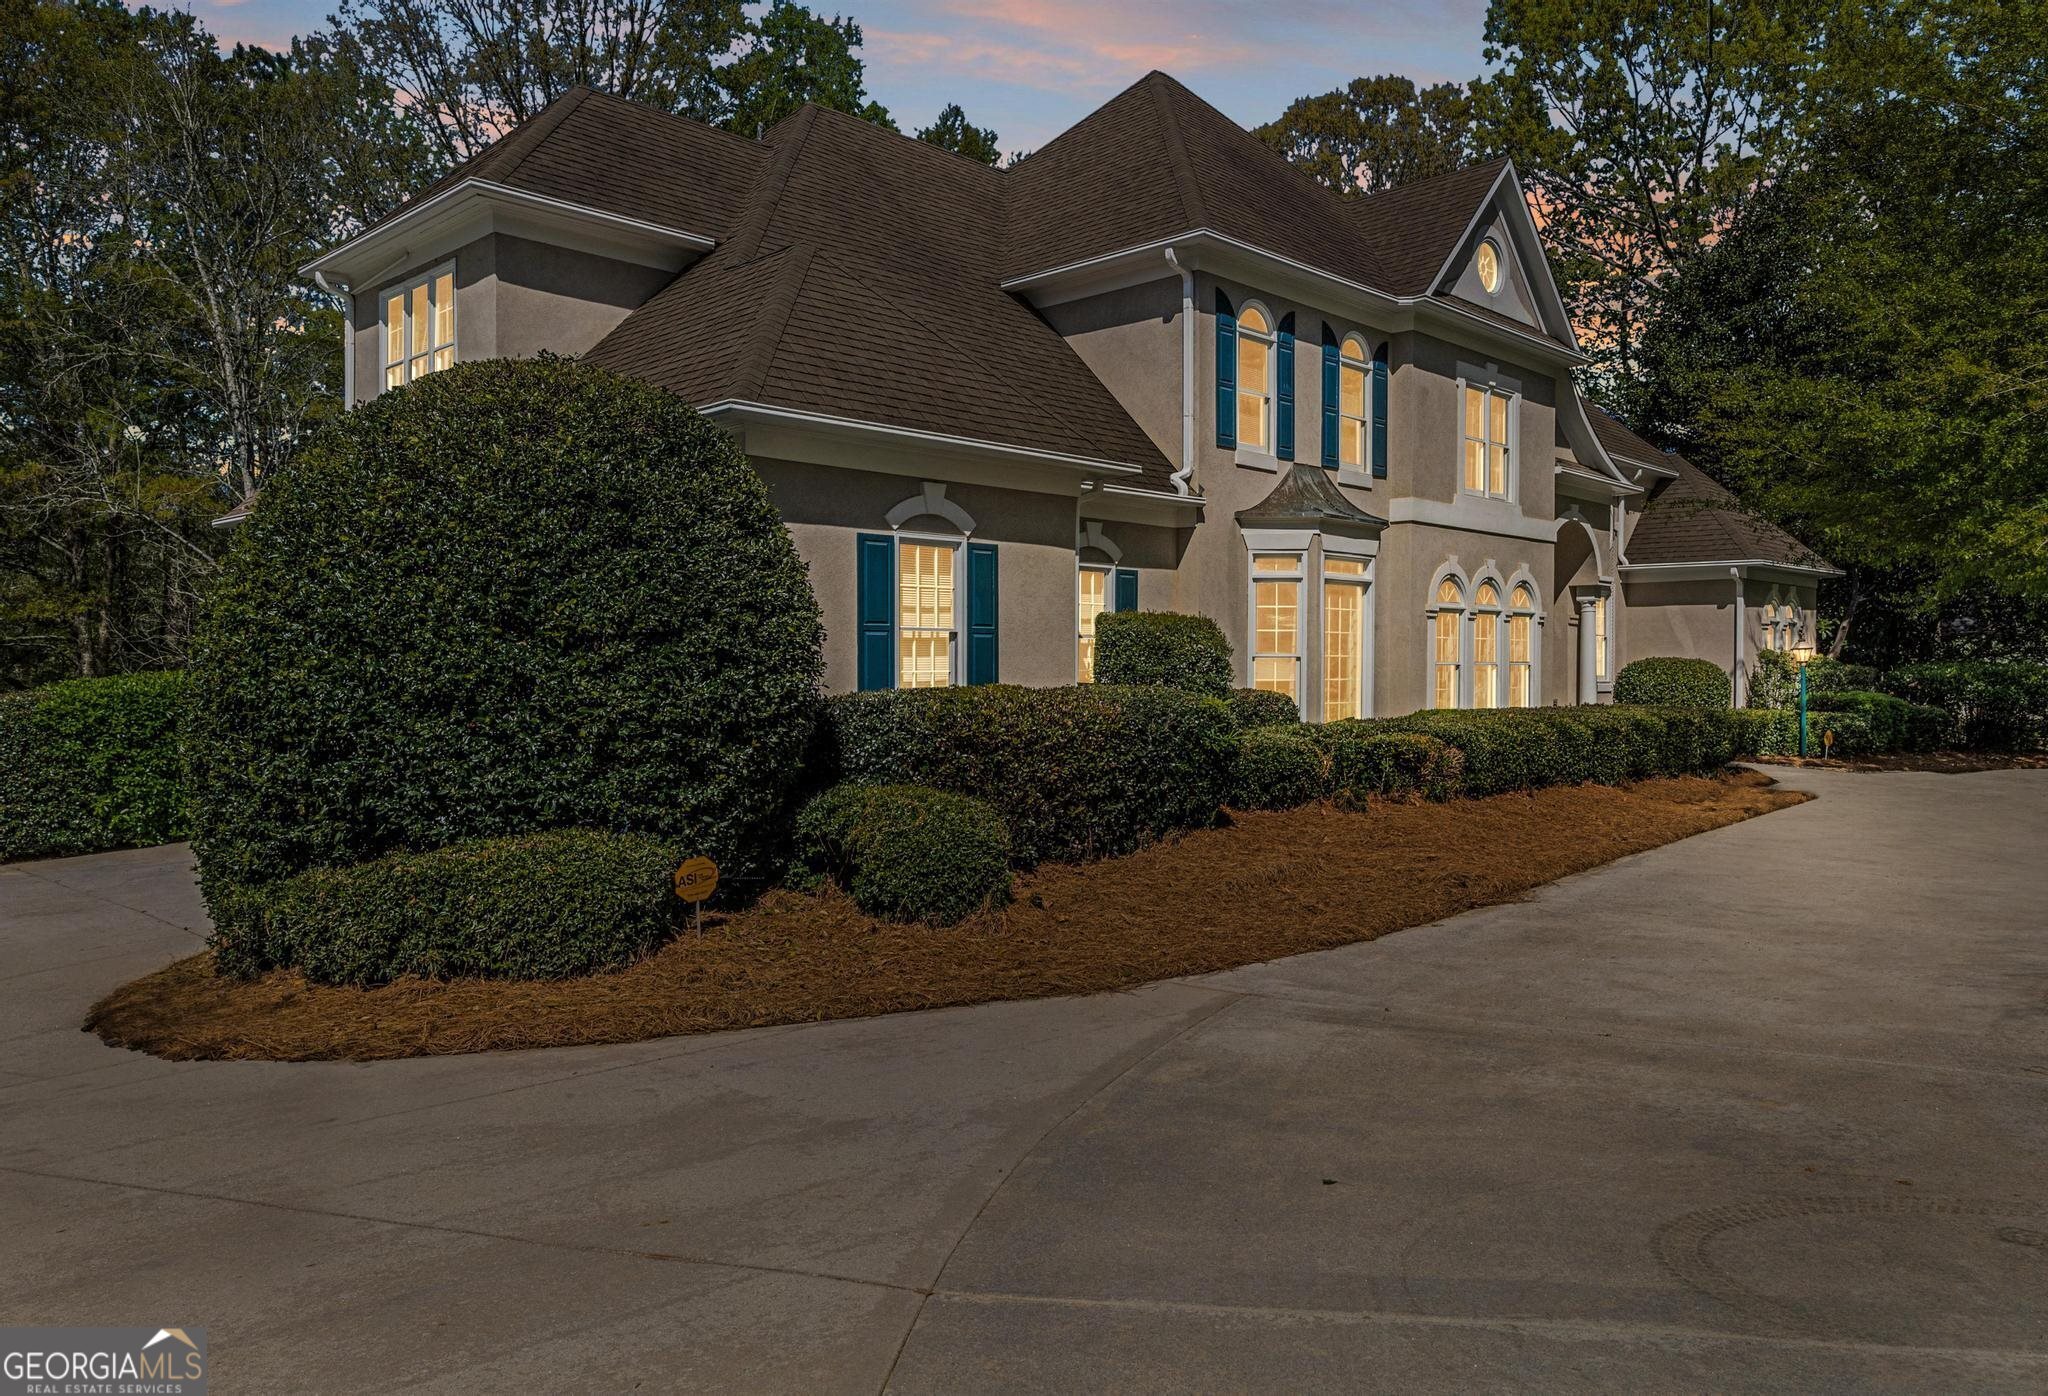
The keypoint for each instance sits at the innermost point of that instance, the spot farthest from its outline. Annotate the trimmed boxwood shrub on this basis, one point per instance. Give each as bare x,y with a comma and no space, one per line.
1259,707
1683,683
515,595
1366,759
535,906
1767,731
1278,768
1888,723
1774,679
2000,704
1084,772
908,853
1162,647
90,764
1527,748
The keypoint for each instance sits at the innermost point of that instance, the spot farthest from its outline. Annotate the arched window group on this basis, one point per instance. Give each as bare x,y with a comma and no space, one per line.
1781,625
1482,655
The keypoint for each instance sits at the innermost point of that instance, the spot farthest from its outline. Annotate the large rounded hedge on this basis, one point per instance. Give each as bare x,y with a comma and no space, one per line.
512,596
1673,682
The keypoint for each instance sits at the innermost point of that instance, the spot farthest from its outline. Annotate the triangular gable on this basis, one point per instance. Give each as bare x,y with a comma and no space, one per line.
1528,292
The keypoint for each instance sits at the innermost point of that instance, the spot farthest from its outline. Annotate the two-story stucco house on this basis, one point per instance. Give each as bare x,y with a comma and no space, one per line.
1152,365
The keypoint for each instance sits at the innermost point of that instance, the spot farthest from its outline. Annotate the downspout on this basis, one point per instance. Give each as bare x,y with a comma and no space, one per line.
1735,675
348,336
1187,374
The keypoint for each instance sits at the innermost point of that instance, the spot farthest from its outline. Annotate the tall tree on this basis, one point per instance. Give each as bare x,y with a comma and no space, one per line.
1865,352
468,70
1375,133
953,131
793,56
1642,131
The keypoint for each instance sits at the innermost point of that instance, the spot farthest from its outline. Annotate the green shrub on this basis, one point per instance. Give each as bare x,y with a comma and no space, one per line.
1162,647
1766,731
516,595
91,764
1366,759
1089,771
1683,683
2001,704
1889,723
1774,679
907,853
1259,707
535,906
1278,768
1527,748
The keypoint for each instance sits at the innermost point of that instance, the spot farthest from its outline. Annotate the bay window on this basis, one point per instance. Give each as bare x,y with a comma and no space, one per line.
1276,623
1344,638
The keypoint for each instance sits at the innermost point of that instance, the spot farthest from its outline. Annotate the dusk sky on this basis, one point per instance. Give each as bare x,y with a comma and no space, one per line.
1030,68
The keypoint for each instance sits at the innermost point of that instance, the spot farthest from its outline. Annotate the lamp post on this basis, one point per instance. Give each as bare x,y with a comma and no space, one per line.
1802,655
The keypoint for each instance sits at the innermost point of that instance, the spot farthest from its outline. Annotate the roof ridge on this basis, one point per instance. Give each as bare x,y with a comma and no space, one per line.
774,180
1191,202
750,376
676,118
1415,185
537,130
908,140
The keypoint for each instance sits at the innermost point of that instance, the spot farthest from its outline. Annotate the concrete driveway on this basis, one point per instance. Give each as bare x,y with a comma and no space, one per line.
1766,1109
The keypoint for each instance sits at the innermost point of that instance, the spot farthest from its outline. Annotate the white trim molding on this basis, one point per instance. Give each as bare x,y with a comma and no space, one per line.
931,501
1090,535
742,410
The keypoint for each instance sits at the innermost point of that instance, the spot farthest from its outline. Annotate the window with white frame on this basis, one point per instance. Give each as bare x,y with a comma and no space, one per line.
1092,599
419,327
927,625
1489,424
1255,361
1486,646
1276,623
1446,637
1344,637
1521,647
1353,377
1601,639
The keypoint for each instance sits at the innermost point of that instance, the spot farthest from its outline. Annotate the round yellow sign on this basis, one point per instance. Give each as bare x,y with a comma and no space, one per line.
696,879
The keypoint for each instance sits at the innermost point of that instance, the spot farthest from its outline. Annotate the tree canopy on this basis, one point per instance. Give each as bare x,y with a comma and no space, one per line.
1375,133
953,131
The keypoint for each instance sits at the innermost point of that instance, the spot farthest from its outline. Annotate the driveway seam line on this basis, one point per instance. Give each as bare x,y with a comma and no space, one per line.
103,897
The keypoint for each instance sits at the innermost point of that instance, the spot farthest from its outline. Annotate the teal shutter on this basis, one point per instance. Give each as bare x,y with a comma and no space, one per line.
1226,372
1283,436
1379,412
876,573
981,613
1330,393
1126,589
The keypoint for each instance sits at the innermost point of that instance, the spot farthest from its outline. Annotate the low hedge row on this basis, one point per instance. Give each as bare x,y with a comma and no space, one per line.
2000,704
1683,683
907,853
536,906
91,764
1527,748
1076,773
1774,679
1881,723
1259,707
1162,647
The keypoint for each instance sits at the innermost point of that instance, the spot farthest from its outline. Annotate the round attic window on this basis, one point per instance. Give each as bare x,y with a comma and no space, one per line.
1488,262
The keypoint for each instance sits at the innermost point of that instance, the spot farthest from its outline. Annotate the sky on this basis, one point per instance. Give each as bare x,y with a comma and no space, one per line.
1031,68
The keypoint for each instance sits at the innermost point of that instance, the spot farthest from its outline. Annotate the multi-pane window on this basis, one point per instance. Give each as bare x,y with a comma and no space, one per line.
1444,640
1255,379
1521,624
1352,378
926,630
419,328
1093,600
1486,647
1276,623
1488,416
1343,638
1600,638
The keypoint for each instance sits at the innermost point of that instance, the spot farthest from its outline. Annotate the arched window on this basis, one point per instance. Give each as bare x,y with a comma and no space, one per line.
1486,647
1521,641
1255,355
1444,626
1352,419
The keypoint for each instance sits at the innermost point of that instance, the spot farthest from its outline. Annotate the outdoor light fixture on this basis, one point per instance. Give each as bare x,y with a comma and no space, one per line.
1802,655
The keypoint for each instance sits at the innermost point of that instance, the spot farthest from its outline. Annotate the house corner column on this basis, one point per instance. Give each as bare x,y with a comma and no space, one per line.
1737,675
1589,641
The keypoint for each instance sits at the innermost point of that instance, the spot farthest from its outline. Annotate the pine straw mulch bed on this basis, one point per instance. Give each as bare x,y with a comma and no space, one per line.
1948,763
1264,886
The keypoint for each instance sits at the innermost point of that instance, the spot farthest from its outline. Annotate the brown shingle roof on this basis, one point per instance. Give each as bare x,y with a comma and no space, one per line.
1415,227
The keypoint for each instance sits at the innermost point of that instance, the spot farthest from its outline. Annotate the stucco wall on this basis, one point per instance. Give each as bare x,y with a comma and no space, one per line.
1131,340
1694,619
513,299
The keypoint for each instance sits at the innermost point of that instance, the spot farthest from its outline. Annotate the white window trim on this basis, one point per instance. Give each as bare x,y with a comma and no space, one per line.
1365,621
1534,611
1302,618
1499,388
1108,571
1474,609
1462,696
1363,362
1603,674
1260,452
403,290
958,543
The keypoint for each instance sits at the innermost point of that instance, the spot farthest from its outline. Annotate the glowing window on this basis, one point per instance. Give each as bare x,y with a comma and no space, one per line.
1344,638
1276,623
925,627
1487,263
1521,626
1450,600
1351,398
1488,450
1094,600
1255,358
419,328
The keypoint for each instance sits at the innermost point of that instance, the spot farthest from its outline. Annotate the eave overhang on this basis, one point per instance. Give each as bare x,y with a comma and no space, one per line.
472,208
1717,570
